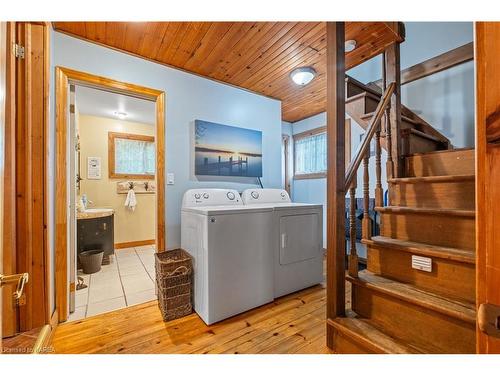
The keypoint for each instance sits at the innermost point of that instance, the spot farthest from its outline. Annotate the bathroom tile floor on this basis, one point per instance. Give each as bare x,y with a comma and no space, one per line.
128,280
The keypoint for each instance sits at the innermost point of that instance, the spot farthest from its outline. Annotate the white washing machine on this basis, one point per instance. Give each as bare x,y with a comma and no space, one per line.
231,246
298,239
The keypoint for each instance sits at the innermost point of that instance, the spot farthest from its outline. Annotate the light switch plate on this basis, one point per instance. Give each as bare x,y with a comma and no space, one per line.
421,263
170,179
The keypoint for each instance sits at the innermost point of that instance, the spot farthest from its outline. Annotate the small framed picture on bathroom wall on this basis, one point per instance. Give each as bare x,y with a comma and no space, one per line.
93,168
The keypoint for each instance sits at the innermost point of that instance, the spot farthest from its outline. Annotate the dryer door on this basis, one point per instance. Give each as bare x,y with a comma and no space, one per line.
299,239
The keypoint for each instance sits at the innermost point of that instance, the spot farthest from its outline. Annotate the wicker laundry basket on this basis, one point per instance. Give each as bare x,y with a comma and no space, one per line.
174,275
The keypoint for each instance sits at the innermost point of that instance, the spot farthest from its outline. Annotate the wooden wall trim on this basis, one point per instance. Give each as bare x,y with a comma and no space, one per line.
309,133
64,77
124,245
447,60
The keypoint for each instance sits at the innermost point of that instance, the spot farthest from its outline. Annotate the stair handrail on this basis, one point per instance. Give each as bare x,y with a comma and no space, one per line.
374,124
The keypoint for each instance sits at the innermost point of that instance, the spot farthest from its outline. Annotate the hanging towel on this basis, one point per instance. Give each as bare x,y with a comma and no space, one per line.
131,201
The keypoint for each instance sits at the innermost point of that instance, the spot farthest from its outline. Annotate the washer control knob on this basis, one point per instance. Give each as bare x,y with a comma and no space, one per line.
255,195
283,195
230,195
205,195
197,196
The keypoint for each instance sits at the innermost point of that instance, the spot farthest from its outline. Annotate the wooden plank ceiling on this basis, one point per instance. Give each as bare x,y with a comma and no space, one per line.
257,56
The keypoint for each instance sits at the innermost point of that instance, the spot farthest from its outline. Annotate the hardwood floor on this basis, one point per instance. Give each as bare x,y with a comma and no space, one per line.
292,324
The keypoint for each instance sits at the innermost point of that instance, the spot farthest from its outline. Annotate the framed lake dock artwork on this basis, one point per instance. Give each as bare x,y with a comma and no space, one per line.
222,150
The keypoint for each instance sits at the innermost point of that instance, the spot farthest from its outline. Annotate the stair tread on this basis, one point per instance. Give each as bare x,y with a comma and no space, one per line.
443,151
423,134
423,210
443,178
457,309
451,253
363,331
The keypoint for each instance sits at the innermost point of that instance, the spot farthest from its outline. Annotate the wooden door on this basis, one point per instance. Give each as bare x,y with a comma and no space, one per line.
488,185
24,214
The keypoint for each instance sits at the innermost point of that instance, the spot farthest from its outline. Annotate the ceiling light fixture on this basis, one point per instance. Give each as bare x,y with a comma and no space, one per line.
121,115
303,75
350,45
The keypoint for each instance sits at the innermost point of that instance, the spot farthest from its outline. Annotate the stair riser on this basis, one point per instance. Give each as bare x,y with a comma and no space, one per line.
414,324
346,345
440,230
448,278
362,105
441,164
458,195
413,144
352,90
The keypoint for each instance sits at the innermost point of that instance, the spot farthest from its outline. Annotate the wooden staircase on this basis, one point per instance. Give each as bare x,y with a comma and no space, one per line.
417,135
399,309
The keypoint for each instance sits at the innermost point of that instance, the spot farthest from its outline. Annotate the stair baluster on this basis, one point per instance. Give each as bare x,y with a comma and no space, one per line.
379,192
388,139
387,122
353,256
366,197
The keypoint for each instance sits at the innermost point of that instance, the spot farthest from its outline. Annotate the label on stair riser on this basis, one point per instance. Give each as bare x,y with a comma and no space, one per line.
421,263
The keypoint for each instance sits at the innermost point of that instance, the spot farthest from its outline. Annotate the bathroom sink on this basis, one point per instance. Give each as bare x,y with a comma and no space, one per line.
90,213
98,210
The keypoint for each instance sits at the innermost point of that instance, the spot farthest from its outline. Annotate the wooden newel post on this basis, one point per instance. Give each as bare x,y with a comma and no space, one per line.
393,121
335,72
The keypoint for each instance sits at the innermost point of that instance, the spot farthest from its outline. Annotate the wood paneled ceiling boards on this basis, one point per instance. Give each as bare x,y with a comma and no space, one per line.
257,56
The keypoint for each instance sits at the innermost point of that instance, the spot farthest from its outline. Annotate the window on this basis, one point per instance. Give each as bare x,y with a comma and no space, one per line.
131,156
310,154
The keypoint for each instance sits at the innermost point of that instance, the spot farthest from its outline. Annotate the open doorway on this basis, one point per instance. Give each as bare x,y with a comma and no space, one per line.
112,200
110,166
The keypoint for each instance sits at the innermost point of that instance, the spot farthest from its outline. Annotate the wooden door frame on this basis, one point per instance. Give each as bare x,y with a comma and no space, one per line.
65,77
286,155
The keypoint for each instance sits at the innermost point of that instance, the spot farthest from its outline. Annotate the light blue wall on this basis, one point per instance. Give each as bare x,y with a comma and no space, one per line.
188,97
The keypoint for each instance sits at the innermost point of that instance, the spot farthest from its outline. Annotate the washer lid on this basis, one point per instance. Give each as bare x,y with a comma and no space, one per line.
225,210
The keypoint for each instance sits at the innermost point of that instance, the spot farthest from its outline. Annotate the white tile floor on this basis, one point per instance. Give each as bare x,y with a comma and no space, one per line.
128,280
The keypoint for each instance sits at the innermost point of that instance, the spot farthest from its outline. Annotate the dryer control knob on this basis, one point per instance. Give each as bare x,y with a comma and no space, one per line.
230,196
197,196
205,195
254,195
